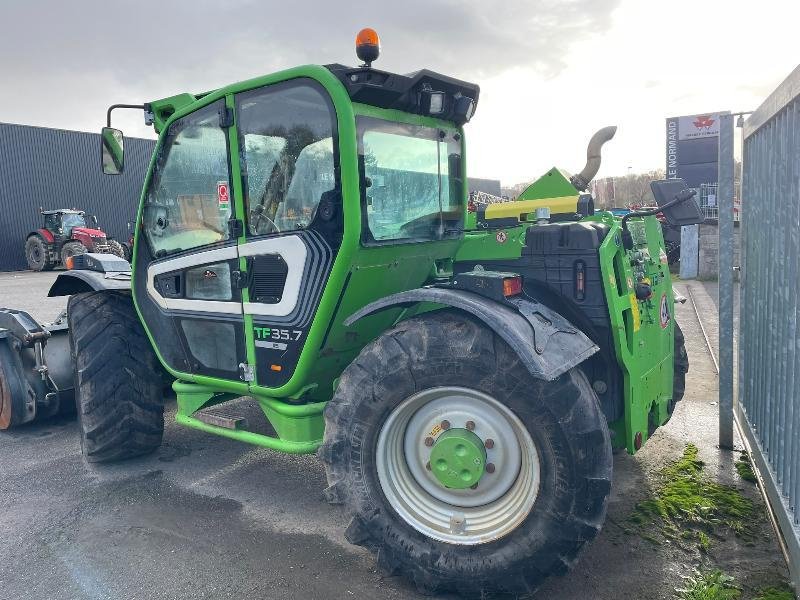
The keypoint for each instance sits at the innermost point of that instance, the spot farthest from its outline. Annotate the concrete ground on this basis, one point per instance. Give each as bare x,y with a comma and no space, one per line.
206,517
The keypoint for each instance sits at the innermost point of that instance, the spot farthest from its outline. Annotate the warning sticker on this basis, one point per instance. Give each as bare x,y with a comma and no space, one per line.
223,195
662,256
637,318
664,312
501,237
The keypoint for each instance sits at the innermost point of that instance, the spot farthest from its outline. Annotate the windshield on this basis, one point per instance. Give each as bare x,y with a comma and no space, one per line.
188,203
68,221
412,188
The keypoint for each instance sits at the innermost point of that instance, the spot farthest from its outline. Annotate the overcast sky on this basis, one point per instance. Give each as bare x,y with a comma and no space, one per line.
551,71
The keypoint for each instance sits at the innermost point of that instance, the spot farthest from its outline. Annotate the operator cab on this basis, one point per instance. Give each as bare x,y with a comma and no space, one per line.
273,204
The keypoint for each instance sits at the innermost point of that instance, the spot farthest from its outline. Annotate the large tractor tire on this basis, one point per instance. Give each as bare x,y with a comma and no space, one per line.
71,249
117,378
115,248
461,470
37,254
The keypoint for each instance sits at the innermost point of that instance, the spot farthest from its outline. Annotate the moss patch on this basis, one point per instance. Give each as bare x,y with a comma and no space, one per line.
709,585
782,592
744,467
686,505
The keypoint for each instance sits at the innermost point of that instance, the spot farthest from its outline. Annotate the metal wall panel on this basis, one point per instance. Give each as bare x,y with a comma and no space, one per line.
55,168
769,340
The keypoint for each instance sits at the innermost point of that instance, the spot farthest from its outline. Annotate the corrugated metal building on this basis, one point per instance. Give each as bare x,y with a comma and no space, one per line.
55,168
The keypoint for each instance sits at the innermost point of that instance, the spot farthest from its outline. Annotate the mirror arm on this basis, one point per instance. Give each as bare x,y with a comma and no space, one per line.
627,240
113,106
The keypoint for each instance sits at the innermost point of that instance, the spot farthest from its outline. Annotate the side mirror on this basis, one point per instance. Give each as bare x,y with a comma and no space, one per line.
112,151
94,220
677,202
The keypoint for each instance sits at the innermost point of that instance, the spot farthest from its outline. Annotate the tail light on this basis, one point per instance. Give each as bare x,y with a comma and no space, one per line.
471,207
512,286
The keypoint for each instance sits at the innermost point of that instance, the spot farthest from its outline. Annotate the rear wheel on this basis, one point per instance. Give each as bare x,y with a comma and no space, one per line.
71,249
461,470
114,247
681,367
37,255
117,378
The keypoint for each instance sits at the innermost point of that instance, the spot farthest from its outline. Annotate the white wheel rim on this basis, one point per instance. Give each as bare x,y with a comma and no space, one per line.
502,499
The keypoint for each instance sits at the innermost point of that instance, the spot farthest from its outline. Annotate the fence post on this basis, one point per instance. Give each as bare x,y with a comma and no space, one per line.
725,279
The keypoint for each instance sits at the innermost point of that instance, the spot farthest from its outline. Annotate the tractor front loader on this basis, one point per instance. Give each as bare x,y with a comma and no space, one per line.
305,239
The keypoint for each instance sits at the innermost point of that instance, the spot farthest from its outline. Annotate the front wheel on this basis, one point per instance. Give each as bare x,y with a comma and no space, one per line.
118,379
460,469
71,249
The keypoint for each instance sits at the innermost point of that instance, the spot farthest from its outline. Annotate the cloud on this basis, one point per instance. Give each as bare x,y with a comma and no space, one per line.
159,48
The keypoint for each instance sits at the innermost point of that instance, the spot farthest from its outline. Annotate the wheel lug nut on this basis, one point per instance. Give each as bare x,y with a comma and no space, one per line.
490,467
429,441
445,424
489,443
471,425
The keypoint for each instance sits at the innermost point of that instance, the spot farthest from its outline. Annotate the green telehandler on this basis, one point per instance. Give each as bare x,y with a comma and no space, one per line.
463,372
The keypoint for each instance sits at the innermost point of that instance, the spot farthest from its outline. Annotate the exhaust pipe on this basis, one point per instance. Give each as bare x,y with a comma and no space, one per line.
582,179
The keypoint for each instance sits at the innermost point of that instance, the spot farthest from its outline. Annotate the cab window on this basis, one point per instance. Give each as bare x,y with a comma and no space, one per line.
411,182
287,137
188,203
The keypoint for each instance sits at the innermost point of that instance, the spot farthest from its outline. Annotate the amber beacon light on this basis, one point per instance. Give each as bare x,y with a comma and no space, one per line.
368,46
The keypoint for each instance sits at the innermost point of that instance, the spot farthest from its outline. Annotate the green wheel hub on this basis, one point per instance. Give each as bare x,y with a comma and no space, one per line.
458,459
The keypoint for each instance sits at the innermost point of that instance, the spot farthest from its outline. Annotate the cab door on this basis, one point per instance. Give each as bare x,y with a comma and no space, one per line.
293,223
186,281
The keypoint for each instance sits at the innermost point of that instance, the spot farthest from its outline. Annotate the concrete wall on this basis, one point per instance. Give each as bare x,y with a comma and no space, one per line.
708,250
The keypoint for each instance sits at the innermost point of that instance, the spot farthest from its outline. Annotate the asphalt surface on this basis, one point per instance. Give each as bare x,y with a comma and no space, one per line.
206,517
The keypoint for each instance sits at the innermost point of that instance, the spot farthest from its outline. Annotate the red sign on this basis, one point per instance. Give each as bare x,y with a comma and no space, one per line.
222,193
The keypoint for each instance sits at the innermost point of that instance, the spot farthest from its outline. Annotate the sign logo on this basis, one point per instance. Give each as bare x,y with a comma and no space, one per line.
704,122
223,197
696,126
501,237
664,312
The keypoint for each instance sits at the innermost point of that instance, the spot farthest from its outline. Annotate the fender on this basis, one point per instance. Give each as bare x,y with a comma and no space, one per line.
546,343
93,273
45,235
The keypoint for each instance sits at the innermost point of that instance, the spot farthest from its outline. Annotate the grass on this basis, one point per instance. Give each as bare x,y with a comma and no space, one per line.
744,467
716,585
782,592
687,506
709,585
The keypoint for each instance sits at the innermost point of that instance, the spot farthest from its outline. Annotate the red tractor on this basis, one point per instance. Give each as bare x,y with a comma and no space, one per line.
65,234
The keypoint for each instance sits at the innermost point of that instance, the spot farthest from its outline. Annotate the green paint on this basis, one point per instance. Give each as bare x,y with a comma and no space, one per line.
644,348
684,501
299,427
458,459
709,585
553,184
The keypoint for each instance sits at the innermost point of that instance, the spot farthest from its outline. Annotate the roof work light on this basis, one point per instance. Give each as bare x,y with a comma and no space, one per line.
368,46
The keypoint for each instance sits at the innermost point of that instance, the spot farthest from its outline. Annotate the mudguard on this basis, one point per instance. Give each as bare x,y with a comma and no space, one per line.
546,343
93,273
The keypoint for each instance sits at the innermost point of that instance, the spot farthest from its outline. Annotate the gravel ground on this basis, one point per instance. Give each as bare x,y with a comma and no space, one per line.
206,517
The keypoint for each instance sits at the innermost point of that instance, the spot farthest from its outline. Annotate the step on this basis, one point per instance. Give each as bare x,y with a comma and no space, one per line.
219,418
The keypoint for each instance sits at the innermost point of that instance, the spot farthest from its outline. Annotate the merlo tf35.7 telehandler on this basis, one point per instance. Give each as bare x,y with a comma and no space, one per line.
304,239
